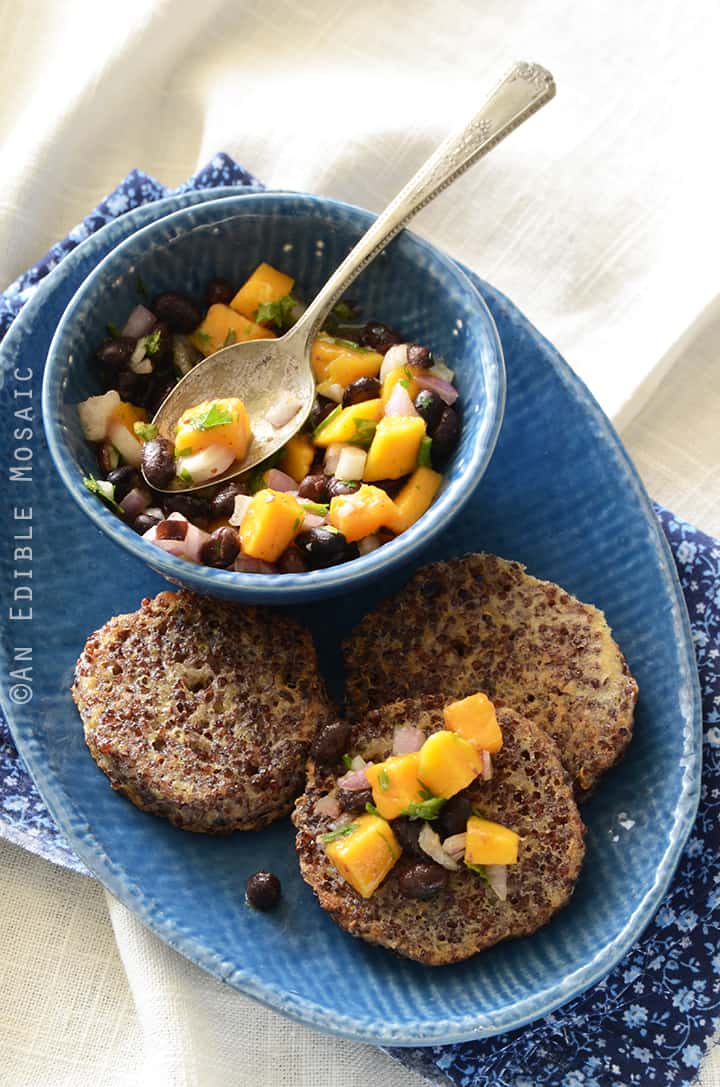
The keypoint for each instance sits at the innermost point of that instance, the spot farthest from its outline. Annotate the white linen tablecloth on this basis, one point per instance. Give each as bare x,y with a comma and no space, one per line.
598,218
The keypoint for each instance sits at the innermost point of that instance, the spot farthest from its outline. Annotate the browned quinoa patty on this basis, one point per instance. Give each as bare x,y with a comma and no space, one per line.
481,623
202,711
529,792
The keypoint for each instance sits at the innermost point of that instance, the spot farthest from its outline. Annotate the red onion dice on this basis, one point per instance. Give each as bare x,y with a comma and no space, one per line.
407,739
444,389
140,322
280,481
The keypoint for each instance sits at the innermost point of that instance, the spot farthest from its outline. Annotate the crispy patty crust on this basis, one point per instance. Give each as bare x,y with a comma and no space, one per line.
529,792
481,623
202,711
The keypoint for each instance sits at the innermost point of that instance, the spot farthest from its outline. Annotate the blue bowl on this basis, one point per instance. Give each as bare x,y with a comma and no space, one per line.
412,286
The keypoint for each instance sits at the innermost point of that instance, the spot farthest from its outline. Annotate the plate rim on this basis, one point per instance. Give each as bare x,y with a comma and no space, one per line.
111,875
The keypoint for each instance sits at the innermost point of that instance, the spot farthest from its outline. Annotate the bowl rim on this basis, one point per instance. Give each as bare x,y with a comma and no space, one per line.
273,588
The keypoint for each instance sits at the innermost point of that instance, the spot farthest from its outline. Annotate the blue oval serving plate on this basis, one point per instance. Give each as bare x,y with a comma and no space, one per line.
561,496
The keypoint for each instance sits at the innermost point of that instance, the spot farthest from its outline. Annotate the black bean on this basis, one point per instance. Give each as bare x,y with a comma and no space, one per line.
363,388
291,562
245,565
320,410
354,800
219,292
314,488
223,503
123,480
172,530
419,356
407,832
391,487
453,816
145,521
114,355
429,407
322,547
178,310
444,437
158,461
380,337
335,487
162,357
263,891
220,548
193,506
132,387
423,880
159,387
330,743
108,458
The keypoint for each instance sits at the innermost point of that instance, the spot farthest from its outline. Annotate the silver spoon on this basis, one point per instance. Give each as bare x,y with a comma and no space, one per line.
258,371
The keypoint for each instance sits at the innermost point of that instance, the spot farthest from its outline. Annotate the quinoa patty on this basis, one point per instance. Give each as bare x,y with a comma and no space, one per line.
529,793
481,623
202,711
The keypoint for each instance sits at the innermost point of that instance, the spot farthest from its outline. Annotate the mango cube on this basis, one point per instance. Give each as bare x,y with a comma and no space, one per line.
214,422
266,284
395,784
490,843
475,719
395,446
416,497
362,513
401,373
354,424
340,362
222,326
298,456
448,763
268,528
365,855
127,415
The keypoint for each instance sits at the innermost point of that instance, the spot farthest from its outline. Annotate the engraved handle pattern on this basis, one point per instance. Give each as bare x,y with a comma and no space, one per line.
524,89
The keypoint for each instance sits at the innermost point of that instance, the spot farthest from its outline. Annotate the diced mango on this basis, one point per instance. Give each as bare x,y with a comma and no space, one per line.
401,373
395,784
214,422
448,763
365,855
354,424
490,843
416,497
272,520
340,361
297,456
127,415
474,719
394,449
223,326
266,284
362,513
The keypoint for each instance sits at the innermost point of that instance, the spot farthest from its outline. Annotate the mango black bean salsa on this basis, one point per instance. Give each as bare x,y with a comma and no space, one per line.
364,467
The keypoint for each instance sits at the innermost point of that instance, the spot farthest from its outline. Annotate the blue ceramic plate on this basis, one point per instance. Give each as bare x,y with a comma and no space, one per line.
561,496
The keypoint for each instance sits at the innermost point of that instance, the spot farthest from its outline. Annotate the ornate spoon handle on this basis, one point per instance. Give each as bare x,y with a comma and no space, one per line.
521,92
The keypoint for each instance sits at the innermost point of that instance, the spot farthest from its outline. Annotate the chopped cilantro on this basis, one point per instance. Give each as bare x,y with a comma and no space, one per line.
203,335
296,523
333,415
426,809
384,780
184,452
339,832
145,431
277,312
372,810
345,311
230,338
351,344
479,869
347,760
425,793
314,507
185,475
103,490
364,432
212,417
405,382
152,342
141,288
424,453
113,330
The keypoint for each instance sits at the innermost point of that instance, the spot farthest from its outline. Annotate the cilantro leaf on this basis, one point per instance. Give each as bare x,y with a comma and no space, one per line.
425,809
104,490
372,810
364,432
333,415
345,311
212,417
185,476
424,451
480,869
339,832
203,335
314,507
347,760
152,342
384,780
113,330
145,431
277,312
230,338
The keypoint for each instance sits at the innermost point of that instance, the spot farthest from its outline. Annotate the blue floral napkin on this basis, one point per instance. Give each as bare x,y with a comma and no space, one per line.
652,1018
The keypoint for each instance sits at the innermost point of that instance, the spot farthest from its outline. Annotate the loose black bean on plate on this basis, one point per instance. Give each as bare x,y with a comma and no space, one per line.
179,310
314,488
263,890
423,880
219,292
220,548
330,743
407,832
379,337
453,816
444,437
158,461
363,388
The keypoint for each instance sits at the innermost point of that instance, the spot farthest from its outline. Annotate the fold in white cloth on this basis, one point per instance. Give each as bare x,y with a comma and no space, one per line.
598,218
